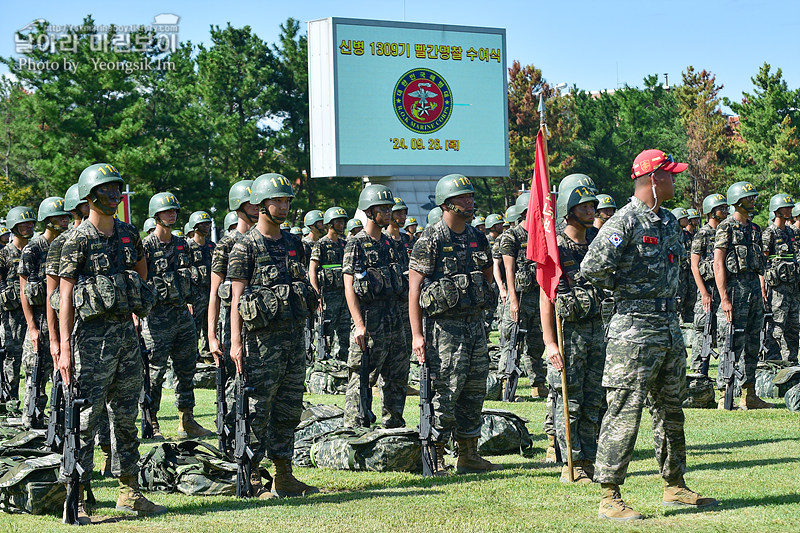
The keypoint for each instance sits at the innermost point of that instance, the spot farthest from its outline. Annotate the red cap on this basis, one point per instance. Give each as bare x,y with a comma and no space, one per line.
651,160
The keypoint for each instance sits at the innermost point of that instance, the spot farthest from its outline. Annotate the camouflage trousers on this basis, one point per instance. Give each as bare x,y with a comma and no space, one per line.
645,365
335,310
108,371
224,337
529,319
459,363
15,329
388,359
45,365
584,358
169,333
687,294
275,367
785,303
200,317
748,314
695,362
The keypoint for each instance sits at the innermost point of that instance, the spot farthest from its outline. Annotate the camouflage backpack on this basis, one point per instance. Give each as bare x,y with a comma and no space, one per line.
700,393
30,485
327,377
315,421
494,387
786,379
503,432
20,442
792,398
376,450
191,467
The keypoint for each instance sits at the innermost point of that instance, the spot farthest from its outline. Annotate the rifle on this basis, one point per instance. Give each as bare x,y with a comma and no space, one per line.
763,337
4,396
69,460
364,390
512,371
427,433
708,339
145,397
241,451
728,371
321,326
223,431
33,389
55,425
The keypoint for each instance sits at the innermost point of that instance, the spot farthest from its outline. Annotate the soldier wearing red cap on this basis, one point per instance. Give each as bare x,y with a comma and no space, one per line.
637,255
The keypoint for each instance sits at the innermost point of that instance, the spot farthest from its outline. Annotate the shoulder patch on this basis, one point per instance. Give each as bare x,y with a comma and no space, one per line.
615,239
126,240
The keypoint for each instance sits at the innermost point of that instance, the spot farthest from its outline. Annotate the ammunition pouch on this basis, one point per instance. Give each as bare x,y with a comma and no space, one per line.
781,271
141,298
224,293
330,278
578,304
706,269
467,294
9,297
94,297
260,306
524,281
55,299
439,297
369,285
35,293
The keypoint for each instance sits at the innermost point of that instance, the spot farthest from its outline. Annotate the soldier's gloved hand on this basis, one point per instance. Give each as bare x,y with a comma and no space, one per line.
215,349
707,303
418,346
554,356
360,336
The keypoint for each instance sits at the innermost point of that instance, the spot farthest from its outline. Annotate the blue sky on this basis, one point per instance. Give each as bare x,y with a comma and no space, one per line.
594,45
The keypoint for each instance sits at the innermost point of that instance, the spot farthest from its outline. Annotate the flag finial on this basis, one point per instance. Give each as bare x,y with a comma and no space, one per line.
541,108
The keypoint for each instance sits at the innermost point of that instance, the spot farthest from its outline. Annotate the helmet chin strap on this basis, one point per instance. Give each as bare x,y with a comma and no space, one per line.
161,222
107,210
55,228
466,213
277,221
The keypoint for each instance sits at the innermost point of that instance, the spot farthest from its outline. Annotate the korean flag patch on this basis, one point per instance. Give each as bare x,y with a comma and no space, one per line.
615,239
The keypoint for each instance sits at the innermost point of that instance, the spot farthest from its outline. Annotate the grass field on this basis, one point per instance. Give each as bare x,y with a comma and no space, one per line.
748,460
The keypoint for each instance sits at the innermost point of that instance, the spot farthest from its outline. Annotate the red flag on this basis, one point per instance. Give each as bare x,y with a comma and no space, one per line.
541,223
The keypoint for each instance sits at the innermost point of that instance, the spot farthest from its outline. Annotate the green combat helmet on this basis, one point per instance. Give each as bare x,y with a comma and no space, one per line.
53,207
567,199
332,213
296,231
575,180
312,217
493,220
188,229
522,201
231,219
694,214
739,190
18,215
513,215
160,202
4,231
198,217
268,186
410,221
434,215
680,213
352,224
177,233
239,194
399,204
94,175
71,199
450,186
796,210
478,221
286,225
305,230
149,225
776,202
375,194
713,201
604,201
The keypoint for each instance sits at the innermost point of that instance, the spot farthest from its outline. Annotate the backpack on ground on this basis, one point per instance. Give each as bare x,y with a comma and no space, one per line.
503,432
376,450
327,377
700,392
30,485
315,421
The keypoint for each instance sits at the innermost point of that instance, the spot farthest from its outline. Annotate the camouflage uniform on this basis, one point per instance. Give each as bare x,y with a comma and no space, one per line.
32,266
781,277
402,250
200,257
456,338
514,243
703,245
106,356
637,255
366,260
584,355
687,290
745,255
329,255
168,330
274,356
13,318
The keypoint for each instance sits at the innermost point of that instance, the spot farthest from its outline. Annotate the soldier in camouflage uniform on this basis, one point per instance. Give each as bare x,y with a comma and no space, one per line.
411,226
325,274
694,221
494,227
314,222
33,288
434,215
201,250
738,264
99,353
578,306
685,286
354,227
271,299
230,222
401,243
637,255
453,258
168,330
373,278
781,276
715,208
479,223
796,215
5,235
21,221
523,300
606,207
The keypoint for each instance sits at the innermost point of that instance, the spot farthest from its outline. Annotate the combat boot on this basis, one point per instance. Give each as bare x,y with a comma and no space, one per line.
105,467
469,461
613,507
157,436
188,426
132,501
259,490
539,391
677,493
579,474
285,485
550,456
441,468
83,515
750,399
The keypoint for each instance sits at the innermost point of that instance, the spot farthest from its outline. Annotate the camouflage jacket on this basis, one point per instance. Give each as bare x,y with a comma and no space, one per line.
9,265
54,253
743,246
703,245
31,266
87,252
200,258
781,248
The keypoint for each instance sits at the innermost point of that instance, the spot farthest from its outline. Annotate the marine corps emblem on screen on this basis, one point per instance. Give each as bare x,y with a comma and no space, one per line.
422,100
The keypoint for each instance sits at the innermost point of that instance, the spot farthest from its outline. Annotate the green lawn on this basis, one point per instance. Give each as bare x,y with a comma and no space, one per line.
750,461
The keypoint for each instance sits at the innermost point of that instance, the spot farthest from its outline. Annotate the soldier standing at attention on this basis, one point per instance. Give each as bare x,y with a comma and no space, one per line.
271,299
715,208
354,227
455,259
201,251
401,243
168,330
523,298
372,281
411,226
21,221
738,265
606,207
107,369
33,289
314,222
781,276
578,305
694,221
637,255
5,235
325,274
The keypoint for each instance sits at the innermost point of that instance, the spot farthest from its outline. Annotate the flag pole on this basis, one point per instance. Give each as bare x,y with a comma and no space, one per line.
559,329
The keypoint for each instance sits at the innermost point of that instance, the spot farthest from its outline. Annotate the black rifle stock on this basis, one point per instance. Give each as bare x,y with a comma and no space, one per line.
707,350
511,372
69,460
55,425
4,395
33,390
766,322
428,434
364,390
145,397
242,453
728,370
223,431
322,345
